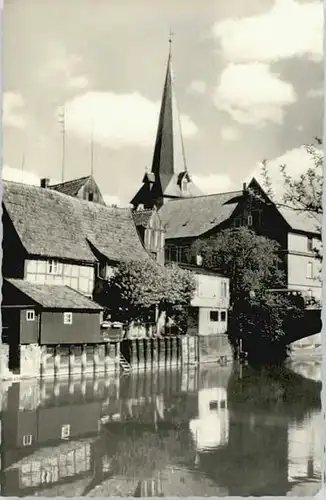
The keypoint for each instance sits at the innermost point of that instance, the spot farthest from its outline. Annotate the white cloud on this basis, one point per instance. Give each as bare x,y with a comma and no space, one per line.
289,29
230,133
297,162
112,200
117,119
315,93
17,175
197,87
13,110
213,183
63,68
252,94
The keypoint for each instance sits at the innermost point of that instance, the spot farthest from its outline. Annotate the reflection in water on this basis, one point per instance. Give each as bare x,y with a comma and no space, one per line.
211,428
194,432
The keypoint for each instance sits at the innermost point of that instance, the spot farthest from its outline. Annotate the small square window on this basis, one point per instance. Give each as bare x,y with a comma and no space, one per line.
213,405
223,404
27,439
30,315
223,316
67,318
213,315
65,431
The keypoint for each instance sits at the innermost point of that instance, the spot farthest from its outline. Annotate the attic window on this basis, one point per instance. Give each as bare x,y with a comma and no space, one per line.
90,196
30,315
67,318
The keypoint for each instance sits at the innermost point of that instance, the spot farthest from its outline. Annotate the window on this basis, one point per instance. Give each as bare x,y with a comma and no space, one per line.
27,439
223,289
309,270
213,315
213,405
65,431
90,196
309,244
67,318
223,404
30,315
237,222
223,316
249,220
53,267
184,184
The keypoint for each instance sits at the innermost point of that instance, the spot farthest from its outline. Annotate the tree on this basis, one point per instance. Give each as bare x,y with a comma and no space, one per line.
305,193
137,288
253,264
179,288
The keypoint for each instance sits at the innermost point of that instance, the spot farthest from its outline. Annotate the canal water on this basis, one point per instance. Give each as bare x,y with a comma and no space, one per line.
196,431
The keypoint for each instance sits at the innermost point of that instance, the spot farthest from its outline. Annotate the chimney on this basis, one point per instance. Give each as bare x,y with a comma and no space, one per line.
244,187
45,183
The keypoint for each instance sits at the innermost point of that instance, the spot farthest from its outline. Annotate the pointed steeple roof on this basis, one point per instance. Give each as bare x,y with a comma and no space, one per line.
169,178
169,155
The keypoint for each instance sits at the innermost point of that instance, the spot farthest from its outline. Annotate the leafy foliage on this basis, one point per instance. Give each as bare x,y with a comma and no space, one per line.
253,264
137,288
305,193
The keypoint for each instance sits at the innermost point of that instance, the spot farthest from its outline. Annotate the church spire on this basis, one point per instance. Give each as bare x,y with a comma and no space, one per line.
168,178
169,154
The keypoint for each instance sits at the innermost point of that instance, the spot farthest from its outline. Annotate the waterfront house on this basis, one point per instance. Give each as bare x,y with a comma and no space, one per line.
187,220
35,313
58,240
53,238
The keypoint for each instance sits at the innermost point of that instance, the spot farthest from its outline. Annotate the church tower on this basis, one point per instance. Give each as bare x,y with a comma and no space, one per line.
169,178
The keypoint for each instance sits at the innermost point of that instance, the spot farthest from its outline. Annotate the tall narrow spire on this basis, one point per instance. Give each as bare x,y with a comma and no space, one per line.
169,154
169,178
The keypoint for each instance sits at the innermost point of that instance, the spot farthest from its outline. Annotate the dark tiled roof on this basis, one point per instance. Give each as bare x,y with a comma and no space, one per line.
52,224
141,217
71,187
54,296
191,217
301,221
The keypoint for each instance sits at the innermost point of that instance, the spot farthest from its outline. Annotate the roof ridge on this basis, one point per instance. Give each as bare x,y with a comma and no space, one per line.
204,195
71,180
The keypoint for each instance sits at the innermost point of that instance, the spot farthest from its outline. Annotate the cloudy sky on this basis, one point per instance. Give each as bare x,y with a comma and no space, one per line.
248,74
